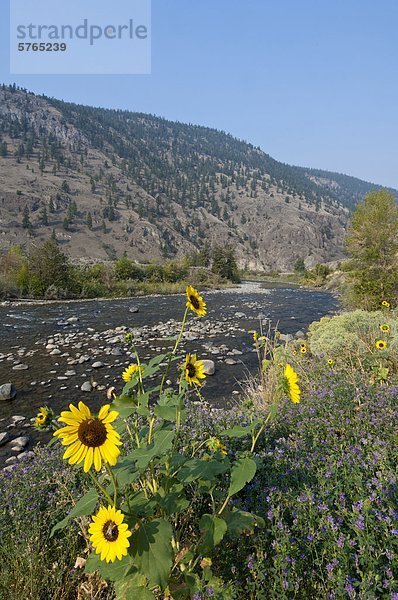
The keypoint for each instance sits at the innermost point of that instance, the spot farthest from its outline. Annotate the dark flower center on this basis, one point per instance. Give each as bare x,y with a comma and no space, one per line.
195,302
191,370
110,531
92,433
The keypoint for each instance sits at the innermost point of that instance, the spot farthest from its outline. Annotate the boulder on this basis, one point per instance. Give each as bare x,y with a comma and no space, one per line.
7,391
209,367
20,367
21,441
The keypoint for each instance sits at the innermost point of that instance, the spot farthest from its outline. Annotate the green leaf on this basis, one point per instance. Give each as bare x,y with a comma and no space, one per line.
83,507
213,530
139,505
239,521
151,551
243,470
162,442
128,590
174,501
111,571
156,360
125,472
168,405
195,468
241,430
142,404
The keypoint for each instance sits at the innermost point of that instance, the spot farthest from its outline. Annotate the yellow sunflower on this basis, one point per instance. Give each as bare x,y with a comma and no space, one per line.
109,535
43,417
90,439
195,301
291,386
255,336
330,362
381,344
303,348
194,370
385,303
384,328
130,372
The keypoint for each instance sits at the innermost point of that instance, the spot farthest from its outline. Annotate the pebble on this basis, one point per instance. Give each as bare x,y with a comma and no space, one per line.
98,364
86,387
20,367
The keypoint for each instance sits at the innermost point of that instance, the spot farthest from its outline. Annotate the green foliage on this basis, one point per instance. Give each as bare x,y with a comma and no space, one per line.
224,263
372,242
176,497
349,339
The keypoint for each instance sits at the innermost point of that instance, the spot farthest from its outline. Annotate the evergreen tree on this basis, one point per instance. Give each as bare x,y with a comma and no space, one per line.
26,224
44,216
89,221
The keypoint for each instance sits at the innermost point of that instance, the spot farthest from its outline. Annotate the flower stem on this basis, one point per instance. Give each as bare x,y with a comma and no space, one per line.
103,490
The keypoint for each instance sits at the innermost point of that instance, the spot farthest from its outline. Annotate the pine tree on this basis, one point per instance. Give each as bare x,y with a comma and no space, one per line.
89,221
26,224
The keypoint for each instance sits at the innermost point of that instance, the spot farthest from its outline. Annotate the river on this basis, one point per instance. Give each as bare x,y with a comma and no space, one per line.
223,335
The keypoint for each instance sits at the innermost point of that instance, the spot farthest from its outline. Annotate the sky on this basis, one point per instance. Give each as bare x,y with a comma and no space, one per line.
312,82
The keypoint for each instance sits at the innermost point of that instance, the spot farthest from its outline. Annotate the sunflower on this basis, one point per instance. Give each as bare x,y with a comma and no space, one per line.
255,336
43,417
195,301
381,344
194,369
385,303
330,362
303,348
92,439
109,535
384,328
131,371
291,384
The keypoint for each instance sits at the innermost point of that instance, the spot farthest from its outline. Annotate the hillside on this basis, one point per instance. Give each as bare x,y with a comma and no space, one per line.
110,182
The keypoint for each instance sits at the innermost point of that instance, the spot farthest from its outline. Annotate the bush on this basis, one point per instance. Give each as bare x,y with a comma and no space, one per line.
349,338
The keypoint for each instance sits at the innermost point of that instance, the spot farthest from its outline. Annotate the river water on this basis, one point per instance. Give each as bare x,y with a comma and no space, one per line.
25,329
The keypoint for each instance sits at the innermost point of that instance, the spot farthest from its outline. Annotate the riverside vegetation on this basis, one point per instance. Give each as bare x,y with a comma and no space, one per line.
291,494
46,272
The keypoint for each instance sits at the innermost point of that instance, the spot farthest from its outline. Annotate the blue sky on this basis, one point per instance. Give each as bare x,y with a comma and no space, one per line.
312,82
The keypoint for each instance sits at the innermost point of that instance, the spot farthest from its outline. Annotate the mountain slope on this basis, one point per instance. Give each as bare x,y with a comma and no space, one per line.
112,182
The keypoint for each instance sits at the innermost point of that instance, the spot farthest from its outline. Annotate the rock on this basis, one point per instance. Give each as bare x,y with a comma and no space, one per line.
286,337
240,315
21,441
4,437
70,373
8,468
134,309
7,391
209,367
72,320
50,347
236,352
116,352
84,358
18,418
11,460
56,351
25,455
98,364
299,334
230,361
86,387
20,367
